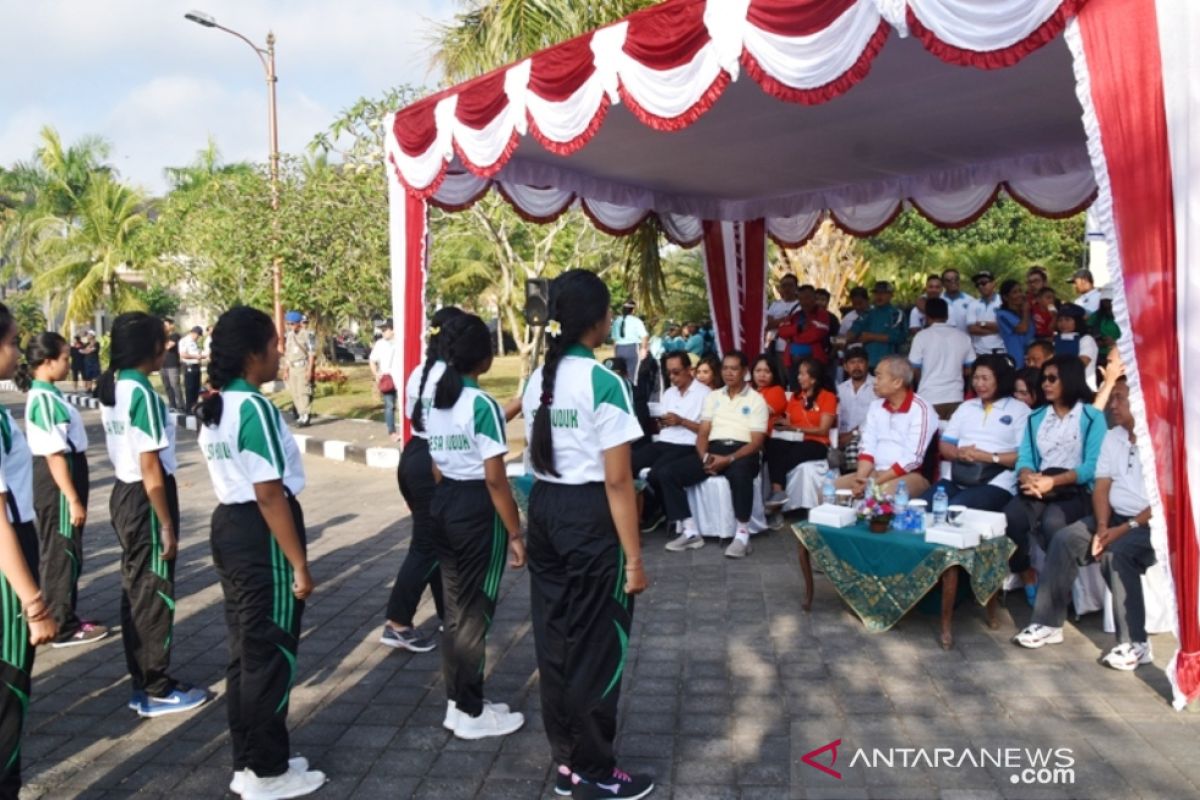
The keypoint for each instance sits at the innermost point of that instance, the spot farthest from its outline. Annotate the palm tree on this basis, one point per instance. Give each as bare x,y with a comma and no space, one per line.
65,173
83,272
205,169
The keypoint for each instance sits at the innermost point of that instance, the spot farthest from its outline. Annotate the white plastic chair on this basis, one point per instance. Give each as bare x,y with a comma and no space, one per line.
711,502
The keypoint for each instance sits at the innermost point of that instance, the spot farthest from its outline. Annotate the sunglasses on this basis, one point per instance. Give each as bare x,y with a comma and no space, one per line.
1049,379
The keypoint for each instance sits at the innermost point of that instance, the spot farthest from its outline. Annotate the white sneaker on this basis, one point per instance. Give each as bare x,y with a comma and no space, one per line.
293,783
1036,636
453,714
299,764
685,541
489,723
1128,657
738,548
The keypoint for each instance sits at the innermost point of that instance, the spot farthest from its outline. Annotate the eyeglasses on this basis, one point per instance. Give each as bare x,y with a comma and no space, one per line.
1049,379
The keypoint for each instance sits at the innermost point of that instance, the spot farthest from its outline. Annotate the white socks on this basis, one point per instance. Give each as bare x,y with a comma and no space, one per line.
743,534
688,528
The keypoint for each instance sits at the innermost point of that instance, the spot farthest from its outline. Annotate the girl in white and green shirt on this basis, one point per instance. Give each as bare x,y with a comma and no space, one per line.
59,443
259,549
140,438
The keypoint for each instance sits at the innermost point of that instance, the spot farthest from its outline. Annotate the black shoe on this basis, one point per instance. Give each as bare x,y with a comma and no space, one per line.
618,785
562,783
654,522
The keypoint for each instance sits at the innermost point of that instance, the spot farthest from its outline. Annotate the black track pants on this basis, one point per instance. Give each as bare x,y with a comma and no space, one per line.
16,667
581,621
147,585
420,567
263,617
60,543
471,544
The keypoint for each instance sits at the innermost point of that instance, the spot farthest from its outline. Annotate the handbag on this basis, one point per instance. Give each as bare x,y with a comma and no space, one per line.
386,384
974,473
1060,493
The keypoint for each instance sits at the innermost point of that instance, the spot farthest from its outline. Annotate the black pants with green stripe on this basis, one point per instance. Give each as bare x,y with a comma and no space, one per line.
61,543
471,545
420,567
147,585
581,621
263,617
16,667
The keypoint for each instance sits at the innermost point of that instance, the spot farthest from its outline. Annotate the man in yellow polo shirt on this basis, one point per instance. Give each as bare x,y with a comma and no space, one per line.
733,428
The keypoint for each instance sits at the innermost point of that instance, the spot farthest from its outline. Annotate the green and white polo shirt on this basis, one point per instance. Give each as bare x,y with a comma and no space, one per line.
464,436
251,445
413,385
52,424
138,423
16,470
592,412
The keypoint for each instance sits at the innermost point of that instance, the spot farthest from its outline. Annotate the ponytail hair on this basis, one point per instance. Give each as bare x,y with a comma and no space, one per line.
578,302
466,346
138,338
240,332
434,345
44,347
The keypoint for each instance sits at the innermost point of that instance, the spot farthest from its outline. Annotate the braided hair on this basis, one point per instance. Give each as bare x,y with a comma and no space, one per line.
44,347
433,353
138,339
578,302
466,345
240,332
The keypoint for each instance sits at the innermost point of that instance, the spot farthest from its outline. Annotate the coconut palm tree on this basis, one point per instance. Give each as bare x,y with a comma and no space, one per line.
83,267
65,173
205,169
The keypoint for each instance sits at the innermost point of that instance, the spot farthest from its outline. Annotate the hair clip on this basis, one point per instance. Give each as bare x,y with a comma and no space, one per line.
553,329
435,330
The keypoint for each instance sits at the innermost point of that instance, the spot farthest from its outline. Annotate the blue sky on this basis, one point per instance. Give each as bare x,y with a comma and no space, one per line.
156,86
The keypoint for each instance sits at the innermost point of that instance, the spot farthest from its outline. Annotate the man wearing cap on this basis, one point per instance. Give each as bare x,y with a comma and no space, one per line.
299,363
981,319
1088,295
630,338
192,359
881,330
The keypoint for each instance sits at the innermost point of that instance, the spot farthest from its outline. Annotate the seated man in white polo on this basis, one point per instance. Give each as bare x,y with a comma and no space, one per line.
729,443
897,433
678,423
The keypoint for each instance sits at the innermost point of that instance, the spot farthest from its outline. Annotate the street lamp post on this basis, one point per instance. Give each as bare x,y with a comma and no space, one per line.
266,55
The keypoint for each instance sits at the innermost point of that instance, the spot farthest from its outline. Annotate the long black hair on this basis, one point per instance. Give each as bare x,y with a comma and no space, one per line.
578,302
776,378
44,347
1006,289
817,372
466,346
240,332
1073,378
1032,377
434,346
137,337
1002,369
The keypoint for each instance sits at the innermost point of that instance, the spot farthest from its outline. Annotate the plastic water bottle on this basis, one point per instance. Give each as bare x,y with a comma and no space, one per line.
941,501
900,501
829,489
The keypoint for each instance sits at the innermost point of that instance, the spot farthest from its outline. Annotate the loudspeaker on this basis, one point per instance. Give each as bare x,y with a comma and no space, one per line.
537,301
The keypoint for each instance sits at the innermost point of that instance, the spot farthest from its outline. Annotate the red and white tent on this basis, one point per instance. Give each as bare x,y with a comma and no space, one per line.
735,120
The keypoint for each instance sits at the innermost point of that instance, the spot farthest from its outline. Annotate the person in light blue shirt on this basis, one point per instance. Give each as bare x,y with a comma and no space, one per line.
693,340
1015,321
630,338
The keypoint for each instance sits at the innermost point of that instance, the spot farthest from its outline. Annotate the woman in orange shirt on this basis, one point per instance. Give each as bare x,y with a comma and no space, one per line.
768,383
812,412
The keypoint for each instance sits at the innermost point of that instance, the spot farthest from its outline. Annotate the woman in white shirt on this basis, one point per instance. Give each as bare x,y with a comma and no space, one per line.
259,550
982,439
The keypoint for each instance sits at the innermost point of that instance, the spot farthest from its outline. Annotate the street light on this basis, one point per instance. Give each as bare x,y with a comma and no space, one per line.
266,55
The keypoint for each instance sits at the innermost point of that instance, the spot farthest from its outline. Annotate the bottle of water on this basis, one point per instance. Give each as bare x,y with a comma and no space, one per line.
829,489
900,502
941,501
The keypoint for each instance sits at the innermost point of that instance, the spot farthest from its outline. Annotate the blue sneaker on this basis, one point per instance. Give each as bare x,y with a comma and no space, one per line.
137,700
182,698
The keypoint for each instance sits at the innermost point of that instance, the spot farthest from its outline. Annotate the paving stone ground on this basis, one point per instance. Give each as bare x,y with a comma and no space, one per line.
729,683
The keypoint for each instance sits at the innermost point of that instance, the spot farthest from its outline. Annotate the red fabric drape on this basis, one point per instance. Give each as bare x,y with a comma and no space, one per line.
416,240
752,287
669,35
718,288
735,263
1120,38
796,17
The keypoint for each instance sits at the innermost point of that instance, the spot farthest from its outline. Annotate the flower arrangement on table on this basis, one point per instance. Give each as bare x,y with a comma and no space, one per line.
878,510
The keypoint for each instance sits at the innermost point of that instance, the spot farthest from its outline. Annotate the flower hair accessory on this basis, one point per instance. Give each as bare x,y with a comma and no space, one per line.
435,330
554,329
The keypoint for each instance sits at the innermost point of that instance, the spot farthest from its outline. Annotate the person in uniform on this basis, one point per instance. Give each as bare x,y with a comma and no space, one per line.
259,549
585,558
475,523
300,360
56,435
24,614
144,507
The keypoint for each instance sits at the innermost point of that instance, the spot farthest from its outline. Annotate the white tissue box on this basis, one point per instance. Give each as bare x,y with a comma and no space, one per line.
960,538
990,524
833,516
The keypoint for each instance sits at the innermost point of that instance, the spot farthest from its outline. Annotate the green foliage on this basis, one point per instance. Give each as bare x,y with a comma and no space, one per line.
159,300
27,312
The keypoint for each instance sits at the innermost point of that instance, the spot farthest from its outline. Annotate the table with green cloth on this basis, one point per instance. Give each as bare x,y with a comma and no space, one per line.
882,576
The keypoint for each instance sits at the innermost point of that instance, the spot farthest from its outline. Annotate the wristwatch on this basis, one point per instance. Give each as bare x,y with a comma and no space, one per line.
995,458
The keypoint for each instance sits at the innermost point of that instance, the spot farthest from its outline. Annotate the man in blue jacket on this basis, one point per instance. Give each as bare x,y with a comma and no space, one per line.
881,330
